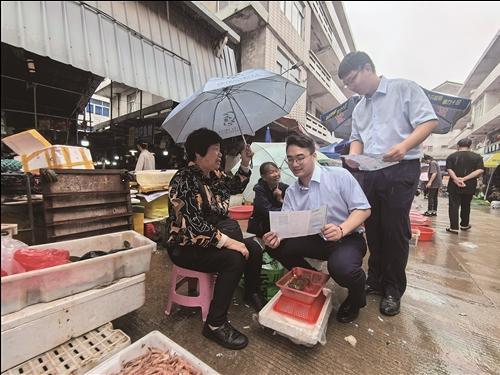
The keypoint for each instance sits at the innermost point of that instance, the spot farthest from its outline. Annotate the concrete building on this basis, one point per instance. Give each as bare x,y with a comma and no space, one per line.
275,35
482,86
154,53
437,145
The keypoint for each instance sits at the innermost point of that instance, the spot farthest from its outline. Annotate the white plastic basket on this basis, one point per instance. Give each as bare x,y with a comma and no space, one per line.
76,355
154,339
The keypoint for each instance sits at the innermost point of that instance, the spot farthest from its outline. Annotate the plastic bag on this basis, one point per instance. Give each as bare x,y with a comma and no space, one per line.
9,265
35,259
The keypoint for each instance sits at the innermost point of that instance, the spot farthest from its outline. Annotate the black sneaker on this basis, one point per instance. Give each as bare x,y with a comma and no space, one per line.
427,213
226,335
465,228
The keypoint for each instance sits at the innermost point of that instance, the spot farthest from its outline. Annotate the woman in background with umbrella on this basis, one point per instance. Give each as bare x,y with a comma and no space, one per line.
204,239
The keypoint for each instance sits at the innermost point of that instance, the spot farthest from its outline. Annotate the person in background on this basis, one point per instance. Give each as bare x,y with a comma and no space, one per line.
433,185
392,119
340,242
203,238
146,160
464,167
269,195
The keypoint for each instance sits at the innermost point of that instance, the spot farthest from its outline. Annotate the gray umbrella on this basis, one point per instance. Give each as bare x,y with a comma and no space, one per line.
235,105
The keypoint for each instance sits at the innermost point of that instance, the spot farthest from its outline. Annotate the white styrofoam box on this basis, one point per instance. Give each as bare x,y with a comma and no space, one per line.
154,178
44,326
154,339
49,284
77,355
298,332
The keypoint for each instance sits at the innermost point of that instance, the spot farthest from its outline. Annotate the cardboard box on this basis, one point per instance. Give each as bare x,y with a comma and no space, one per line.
57,156
26,142
36,152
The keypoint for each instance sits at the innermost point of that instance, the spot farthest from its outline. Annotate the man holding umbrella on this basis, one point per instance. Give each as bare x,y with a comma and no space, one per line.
393,118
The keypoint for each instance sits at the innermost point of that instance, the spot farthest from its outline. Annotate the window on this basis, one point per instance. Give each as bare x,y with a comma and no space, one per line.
294,11
131,102
98,107
284,63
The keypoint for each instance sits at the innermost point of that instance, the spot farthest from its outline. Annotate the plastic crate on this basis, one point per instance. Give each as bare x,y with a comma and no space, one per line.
317,280
49,284
308,313
77,355
154,339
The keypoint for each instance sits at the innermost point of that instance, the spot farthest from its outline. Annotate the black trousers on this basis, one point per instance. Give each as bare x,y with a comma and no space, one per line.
344,257
459,202
390,192
432,204
229,265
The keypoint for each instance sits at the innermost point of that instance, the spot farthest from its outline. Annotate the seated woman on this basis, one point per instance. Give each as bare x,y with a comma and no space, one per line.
204,239
269,194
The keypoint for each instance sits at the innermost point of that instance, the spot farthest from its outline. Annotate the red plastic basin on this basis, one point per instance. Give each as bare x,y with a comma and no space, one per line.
240,212
426,233
317,281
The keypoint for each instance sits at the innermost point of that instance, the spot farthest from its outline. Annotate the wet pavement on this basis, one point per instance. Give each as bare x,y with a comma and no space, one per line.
449,321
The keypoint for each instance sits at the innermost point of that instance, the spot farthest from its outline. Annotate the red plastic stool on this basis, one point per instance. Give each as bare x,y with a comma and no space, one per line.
204,285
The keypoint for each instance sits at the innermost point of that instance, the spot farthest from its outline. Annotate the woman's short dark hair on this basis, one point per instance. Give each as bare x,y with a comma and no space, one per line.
302,141
354,61
265,166
143,145
199,141
466,142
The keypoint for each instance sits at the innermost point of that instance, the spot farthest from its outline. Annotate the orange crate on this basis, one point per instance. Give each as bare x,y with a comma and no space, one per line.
308,313
317,281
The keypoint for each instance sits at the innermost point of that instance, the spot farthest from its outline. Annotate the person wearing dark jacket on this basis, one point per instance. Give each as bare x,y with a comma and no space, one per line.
269,195
464,167
202,237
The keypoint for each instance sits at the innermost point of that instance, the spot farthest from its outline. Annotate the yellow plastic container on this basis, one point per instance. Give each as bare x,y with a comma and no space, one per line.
138,219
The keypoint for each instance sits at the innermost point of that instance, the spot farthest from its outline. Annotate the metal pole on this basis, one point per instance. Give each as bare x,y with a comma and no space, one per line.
111,101
34,105
30,208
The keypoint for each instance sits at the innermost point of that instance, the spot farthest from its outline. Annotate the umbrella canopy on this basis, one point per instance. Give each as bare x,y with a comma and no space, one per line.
492,160
235,105
448,108
275,152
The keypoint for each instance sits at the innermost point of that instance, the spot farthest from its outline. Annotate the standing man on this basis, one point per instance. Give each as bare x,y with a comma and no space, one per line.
393,118
341,241
433,185
464,167
146,159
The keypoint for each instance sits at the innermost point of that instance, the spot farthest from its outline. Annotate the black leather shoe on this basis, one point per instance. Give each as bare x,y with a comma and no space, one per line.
390,305
347,311
226,335
256,301
371,290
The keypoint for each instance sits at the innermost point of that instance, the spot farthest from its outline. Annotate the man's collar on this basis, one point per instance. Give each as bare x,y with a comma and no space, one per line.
316,177
382,86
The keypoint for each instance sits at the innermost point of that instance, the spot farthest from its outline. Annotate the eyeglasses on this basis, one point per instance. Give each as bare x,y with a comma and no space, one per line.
350,81
299,159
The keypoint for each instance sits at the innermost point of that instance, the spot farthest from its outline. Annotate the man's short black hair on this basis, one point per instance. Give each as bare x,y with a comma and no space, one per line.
265,166
302,141
143,145
354,61
199,141
466,142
